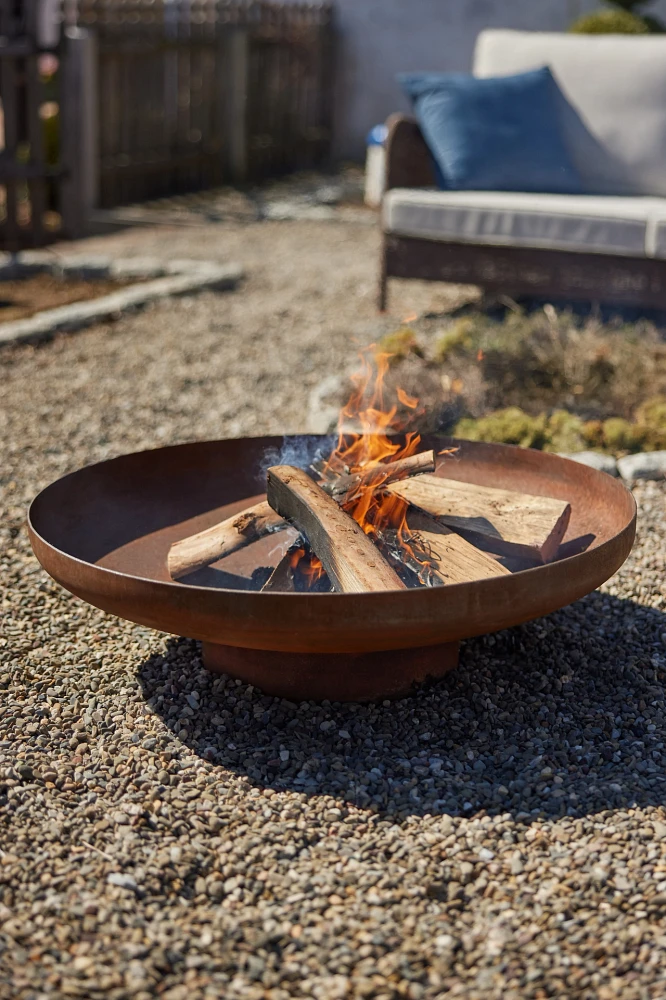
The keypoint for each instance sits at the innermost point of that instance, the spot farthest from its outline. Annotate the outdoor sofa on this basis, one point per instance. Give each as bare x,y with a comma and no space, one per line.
608,245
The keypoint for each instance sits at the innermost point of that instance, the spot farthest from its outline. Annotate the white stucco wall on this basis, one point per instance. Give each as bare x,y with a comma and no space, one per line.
379,38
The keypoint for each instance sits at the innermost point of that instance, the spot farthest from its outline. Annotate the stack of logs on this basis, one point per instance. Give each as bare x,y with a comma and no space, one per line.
501,522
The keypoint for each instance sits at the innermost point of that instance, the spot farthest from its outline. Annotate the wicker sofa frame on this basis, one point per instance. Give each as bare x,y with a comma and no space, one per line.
513,271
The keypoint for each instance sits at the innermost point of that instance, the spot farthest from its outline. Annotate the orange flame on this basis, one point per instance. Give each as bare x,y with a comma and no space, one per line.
308,564
370,445
296,557
406,400
364,444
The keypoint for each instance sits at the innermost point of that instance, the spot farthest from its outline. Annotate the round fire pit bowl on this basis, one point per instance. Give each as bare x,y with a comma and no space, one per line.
104,532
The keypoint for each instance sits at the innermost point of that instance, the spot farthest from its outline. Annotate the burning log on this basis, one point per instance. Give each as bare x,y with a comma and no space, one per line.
345,487
253,523
352,562
282,577
505,522
298,570
453,560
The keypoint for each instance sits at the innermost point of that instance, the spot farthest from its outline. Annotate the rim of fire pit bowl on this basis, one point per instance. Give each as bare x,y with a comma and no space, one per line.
84,518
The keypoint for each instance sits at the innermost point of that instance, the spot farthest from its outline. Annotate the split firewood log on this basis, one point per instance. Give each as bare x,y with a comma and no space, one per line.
452,559
502,521
258,520
353,563
222,539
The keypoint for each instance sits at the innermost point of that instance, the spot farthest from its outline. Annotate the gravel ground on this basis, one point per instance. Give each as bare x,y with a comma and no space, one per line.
500,834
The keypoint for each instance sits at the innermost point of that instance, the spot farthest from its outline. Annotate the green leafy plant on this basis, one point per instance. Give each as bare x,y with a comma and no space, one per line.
624,18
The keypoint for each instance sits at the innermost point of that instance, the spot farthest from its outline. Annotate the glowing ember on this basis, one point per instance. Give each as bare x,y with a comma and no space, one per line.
307,565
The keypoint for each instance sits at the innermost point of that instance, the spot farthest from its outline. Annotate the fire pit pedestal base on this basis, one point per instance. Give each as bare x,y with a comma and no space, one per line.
332,676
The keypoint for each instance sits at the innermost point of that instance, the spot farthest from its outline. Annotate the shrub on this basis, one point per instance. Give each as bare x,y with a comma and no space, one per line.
565,432
462,336
651,417
652,412
620,435
400,344
621,19
610,22
593,434
542,380
546,361
509,426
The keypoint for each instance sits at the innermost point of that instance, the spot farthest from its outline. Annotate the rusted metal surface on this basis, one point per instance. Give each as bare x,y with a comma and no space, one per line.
104,533
336,676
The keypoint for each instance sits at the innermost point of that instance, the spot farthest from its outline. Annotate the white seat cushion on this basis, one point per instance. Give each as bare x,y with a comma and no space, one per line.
583,223
615,122
658,223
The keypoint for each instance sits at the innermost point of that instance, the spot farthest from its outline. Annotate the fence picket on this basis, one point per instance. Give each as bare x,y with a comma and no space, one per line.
35,129
24,172
10,95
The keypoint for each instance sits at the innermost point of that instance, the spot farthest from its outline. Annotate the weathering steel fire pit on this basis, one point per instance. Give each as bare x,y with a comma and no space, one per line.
104,534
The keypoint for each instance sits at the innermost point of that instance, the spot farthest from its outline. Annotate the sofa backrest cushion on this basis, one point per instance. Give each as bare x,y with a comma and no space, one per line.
615,85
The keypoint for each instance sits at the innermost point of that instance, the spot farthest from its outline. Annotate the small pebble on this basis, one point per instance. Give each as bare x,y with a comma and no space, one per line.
119,879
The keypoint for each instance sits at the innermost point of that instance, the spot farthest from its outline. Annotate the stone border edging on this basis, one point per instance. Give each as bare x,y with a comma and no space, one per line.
645,465
594,459
162,280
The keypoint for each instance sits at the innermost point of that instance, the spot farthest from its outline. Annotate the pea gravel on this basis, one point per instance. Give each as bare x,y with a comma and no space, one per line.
500,834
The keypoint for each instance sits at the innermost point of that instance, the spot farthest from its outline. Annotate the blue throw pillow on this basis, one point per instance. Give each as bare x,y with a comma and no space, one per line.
494,134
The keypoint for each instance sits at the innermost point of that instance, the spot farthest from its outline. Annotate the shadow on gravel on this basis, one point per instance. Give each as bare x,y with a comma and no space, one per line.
564,715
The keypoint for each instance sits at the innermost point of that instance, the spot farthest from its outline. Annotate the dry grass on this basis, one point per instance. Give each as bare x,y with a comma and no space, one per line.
545,379
548,359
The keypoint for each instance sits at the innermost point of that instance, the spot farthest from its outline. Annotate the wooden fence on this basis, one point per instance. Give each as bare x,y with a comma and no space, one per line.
47,162
195,93
26,176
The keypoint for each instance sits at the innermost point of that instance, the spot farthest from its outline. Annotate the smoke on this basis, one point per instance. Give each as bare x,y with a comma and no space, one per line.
301,450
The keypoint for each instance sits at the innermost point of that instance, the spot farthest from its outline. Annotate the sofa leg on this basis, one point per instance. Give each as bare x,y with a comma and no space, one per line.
383,282
383,294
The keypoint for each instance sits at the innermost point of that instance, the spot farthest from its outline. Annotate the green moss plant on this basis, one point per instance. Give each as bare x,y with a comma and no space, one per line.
400,344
